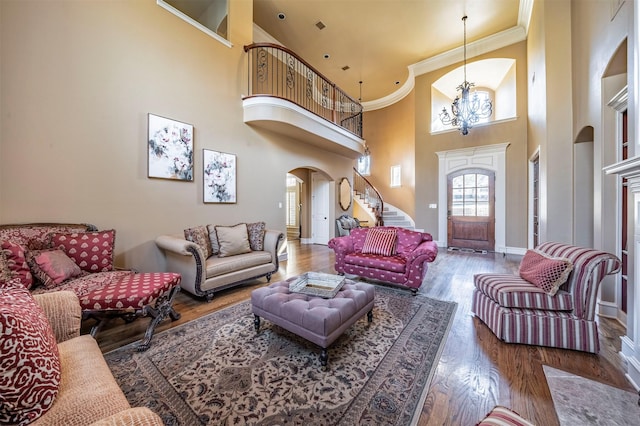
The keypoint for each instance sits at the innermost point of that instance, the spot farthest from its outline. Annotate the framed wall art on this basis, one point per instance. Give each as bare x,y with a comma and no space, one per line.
170,149
219,177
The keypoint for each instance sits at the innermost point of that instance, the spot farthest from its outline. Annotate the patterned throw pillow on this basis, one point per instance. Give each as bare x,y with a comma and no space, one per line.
30,373
545,272
200,236
213,240
233,239
52,267
380,241
256,235
91,251
13,256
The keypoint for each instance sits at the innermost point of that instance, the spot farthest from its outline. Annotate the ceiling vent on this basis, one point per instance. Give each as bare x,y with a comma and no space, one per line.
320,25
346,67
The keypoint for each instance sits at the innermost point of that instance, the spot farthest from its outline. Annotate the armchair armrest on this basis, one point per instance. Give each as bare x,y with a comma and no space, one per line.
137,416
185,258
425,252
63,311
342,245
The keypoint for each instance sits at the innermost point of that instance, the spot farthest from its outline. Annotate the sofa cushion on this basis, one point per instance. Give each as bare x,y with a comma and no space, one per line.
92,251
511,291
14,258
408,240
200,236
216,266
380,241
256,235
233,239
375,261
358,236
545,271
30,363
52,267
213,240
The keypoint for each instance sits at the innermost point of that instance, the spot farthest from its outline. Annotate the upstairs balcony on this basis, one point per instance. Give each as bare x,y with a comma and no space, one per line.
288,96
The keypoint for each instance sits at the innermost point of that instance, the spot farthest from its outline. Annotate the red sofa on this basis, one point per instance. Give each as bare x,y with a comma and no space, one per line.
406,266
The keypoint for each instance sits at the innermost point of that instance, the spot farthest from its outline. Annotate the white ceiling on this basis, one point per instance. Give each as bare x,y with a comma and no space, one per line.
380,40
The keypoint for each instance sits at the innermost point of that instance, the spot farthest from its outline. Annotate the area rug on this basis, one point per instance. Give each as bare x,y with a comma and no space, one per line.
581,401
216,370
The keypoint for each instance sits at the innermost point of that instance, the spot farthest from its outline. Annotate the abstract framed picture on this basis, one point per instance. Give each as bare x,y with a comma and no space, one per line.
170,149
219,177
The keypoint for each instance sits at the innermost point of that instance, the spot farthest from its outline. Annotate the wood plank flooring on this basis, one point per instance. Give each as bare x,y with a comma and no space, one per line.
476,370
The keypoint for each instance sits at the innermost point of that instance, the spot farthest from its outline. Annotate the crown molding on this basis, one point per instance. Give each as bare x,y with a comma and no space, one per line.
394,97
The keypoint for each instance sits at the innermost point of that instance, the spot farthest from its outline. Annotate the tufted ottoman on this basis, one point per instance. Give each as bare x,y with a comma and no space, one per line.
320,321
131,296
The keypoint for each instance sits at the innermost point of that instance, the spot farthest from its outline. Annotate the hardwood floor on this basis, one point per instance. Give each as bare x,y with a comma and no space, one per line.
476,370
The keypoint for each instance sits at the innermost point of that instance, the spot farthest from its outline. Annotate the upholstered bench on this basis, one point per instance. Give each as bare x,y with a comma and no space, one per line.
133,295
319,320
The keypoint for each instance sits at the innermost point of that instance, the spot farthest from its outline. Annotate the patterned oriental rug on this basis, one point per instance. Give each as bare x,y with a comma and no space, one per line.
216,370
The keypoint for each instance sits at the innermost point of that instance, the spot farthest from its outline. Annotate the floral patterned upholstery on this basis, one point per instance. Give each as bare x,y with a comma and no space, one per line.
407,267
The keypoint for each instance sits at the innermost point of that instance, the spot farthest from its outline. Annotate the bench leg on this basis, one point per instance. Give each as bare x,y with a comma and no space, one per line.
256,323
162,309
324,357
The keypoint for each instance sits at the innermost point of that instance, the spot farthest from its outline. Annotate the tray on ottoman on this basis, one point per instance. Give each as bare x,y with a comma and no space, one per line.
317,284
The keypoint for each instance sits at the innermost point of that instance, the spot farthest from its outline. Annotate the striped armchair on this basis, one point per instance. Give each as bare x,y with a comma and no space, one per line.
517,311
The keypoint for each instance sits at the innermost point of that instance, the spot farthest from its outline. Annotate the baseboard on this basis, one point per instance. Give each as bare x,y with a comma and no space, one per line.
306,241
502,250
629,354
607,309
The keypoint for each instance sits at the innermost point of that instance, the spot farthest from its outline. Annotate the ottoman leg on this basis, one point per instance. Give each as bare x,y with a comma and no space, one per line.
370,316
324,357
256,323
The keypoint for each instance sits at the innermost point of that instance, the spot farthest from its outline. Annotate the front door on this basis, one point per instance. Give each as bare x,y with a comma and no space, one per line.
471,209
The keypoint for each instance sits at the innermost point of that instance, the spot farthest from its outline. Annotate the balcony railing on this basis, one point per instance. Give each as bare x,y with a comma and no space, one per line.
278,72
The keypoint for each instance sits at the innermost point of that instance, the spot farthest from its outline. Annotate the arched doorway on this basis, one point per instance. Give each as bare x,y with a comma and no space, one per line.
308,211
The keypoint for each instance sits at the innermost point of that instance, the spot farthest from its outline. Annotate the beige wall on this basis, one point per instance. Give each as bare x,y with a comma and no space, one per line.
508,131
78,80
390,135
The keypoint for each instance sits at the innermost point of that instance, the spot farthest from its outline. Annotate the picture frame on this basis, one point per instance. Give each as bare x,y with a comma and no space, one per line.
169,149
219,176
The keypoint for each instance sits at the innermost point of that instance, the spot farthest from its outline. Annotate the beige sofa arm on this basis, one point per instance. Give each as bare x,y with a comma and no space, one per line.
138,416
63,311
272,240
176,244
186,258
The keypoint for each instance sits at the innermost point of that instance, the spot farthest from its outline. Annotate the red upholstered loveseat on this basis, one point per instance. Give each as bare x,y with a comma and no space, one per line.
406,265
85,267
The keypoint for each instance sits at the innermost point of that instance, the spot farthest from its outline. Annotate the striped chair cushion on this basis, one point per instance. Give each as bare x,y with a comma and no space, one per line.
511,291
380,241
502,416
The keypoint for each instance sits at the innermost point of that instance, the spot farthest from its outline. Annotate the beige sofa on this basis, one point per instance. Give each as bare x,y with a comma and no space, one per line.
88,393
204,275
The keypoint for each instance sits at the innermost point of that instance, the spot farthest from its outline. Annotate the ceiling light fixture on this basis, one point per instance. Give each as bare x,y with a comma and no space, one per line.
467,109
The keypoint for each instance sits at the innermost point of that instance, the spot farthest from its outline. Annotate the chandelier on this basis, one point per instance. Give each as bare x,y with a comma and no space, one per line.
467,108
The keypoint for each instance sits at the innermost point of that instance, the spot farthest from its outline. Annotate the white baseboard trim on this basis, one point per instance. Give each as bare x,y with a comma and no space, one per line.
607,309
633,362
502,250
306,241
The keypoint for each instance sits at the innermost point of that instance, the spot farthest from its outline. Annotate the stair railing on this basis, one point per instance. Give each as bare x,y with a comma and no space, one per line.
278,72
361,186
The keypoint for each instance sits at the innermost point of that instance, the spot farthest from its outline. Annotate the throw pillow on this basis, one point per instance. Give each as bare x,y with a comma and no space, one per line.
380,241
545,272
15,260
213,239
30,363
233,239
256,235
200,236
91,251
52,267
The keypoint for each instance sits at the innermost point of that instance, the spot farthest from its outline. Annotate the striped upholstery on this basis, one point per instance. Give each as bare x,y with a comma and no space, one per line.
502,416
518,312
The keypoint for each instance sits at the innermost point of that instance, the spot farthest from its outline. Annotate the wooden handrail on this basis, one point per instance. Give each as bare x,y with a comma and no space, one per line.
278,72
371,195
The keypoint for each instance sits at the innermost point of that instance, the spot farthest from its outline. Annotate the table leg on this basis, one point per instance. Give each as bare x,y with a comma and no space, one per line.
370,315
324,357
256,322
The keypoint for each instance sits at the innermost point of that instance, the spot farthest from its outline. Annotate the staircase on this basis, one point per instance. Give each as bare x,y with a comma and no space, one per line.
393,216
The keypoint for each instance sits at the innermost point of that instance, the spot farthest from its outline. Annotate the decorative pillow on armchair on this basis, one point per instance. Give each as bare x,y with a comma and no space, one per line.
52,267
30,372
545,272
91,251
380,241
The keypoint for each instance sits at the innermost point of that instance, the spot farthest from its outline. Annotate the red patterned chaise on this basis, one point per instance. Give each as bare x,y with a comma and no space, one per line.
546,304
389,254
48,257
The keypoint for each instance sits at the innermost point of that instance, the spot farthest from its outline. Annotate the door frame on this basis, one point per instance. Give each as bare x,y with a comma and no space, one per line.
490,157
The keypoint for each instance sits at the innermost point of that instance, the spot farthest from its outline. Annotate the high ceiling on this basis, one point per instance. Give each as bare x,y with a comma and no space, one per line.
379,39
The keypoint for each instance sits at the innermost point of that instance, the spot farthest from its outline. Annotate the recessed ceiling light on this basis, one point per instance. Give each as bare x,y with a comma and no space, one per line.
326,56
282,16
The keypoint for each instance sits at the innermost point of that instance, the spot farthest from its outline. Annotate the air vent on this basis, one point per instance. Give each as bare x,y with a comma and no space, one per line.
320,25
346,67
